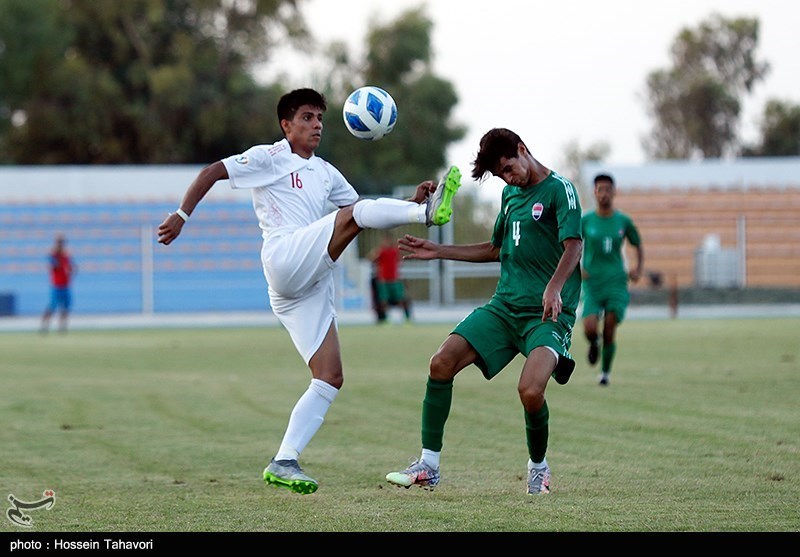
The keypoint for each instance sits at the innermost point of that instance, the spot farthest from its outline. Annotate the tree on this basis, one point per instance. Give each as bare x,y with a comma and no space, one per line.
140,81
172,81
574,157
398,59
780,131
696,103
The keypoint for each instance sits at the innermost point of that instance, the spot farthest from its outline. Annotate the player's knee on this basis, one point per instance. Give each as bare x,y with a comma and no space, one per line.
532,398
335,381
345,213
346,221
331,374
442,367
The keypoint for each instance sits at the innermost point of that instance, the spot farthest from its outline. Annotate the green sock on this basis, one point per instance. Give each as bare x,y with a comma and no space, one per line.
435,410
608,356
537,430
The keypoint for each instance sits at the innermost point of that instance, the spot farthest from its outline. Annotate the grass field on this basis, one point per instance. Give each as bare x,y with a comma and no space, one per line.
169,430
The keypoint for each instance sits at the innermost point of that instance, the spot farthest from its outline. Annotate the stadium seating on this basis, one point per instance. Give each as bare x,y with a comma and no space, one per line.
762,223
215,265
122,268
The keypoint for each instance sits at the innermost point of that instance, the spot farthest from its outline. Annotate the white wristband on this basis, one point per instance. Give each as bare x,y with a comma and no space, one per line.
182,214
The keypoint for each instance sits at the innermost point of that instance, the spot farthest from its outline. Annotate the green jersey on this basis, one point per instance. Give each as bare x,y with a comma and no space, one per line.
603,257
530,230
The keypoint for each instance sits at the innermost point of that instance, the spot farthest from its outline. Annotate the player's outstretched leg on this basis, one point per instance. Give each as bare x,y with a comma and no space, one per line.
288,474
440,202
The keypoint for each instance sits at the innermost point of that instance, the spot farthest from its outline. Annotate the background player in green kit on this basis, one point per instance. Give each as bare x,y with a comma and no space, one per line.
537,239
605,279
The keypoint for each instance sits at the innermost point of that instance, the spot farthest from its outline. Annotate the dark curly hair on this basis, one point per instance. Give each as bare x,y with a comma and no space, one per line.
495,144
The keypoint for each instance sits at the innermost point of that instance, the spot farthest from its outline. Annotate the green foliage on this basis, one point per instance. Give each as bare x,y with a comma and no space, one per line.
31,44
696,117
140,81
394,49
696,103
147,81
724,49
168,430
780,131
398,60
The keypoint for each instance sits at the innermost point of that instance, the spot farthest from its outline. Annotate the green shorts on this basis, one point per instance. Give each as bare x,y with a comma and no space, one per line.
390,292
498,333
605,300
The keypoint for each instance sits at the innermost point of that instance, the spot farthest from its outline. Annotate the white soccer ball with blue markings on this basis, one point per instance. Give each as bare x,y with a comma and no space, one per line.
369,113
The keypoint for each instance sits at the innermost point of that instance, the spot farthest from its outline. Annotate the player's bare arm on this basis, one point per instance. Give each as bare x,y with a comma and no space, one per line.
551,299
421,248
636,273
173,224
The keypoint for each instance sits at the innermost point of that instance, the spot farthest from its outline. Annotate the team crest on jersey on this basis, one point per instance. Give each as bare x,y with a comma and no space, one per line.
537,211
241,159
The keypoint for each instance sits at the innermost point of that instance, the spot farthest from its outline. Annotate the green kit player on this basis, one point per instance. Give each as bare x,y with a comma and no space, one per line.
537,240
605,278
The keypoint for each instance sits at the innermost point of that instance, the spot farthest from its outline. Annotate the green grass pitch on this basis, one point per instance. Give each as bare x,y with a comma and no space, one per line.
168,430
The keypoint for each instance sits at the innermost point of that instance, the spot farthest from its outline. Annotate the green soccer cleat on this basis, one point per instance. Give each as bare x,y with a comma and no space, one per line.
288,474
440,202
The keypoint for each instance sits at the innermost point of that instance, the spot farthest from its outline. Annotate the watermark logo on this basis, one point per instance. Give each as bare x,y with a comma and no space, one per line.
16,514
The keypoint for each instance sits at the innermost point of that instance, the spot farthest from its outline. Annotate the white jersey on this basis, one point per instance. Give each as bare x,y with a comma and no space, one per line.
289,192
292,198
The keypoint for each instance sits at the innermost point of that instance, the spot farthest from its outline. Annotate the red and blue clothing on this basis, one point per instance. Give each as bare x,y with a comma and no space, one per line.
60,276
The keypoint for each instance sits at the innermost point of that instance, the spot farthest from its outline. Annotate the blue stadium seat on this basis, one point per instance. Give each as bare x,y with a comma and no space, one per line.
215,268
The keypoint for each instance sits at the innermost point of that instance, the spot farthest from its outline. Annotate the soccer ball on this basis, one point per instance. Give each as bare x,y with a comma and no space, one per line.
369,113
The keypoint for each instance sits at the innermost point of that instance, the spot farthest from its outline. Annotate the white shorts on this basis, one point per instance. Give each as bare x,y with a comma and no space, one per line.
299,273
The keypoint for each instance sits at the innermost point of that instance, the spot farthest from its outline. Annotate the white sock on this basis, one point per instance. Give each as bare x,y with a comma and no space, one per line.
538,465
431,458
386,212
306,419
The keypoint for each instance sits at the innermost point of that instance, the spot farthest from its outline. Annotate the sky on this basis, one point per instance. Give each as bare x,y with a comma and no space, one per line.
561,72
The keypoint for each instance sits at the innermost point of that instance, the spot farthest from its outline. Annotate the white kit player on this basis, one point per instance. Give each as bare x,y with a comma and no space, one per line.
292,192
